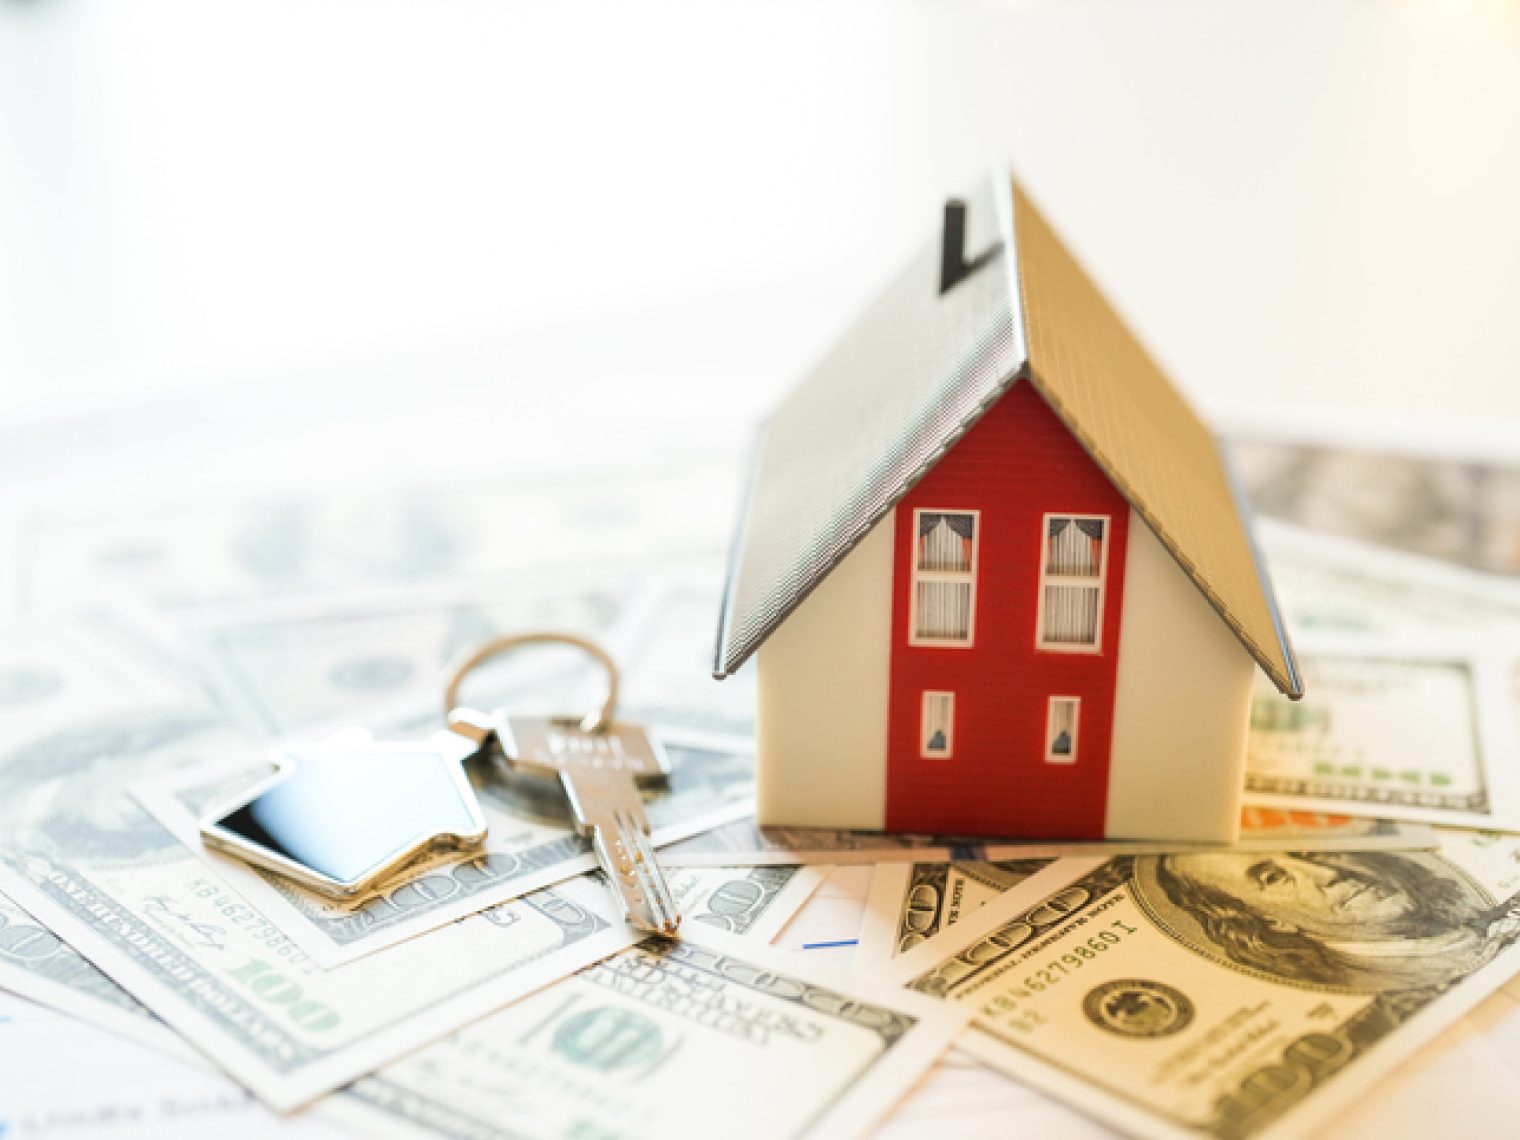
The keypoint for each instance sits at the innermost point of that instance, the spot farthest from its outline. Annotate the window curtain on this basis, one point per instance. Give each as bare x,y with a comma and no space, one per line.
944,541
1075,547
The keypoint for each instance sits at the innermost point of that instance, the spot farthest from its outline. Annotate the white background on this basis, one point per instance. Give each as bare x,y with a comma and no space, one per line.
286,241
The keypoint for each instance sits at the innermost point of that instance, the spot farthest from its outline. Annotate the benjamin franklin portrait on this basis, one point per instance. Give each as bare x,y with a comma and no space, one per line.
1365,922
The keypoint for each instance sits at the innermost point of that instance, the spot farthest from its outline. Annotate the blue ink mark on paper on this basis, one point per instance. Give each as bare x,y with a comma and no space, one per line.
830,945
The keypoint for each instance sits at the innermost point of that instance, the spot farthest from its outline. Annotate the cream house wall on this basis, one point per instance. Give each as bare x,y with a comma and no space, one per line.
824,680
1182,703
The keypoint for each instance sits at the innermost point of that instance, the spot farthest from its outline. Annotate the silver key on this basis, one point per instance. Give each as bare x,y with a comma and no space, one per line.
601,773
600,764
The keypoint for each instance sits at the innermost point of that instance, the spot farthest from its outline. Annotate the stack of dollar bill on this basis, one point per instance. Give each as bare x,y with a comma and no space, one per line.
153,653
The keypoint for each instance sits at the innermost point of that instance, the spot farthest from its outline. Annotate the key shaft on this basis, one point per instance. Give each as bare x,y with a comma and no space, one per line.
608,808
600,773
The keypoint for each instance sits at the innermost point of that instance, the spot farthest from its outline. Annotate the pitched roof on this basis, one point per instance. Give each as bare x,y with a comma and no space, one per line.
913,375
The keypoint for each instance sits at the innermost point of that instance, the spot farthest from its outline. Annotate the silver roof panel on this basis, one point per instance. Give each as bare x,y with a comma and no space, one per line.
903,385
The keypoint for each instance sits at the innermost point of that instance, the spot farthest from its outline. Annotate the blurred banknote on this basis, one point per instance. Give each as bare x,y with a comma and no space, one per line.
295,666
193,553
1229,995
1454,509
291,666
1328,583
743,842
531,844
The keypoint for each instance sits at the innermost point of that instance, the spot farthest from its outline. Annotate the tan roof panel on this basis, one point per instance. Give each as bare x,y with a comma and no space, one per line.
1118,403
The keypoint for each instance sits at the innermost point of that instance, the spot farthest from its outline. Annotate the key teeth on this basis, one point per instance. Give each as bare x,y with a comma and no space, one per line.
660,913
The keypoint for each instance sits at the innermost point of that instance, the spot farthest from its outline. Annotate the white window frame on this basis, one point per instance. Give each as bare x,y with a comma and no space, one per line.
944,576
1100,580
1076,724
924,752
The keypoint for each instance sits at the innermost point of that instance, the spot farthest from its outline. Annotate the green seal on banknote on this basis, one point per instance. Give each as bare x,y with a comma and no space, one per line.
607,1038
1138,1007
27,686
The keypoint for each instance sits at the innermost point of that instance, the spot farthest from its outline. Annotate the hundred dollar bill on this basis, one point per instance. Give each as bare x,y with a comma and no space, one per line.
670,1038
909,903
742,842
531,843
749,902
1228,995
1390,728
85,860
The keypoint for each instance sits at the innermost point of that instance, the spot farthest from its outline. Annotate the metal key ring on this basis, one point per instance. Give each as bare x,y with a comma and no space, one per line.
596,720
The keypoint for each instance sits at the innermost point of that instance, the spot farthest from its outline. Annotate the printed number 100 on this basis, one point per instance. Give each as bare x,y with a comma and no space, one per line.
276,989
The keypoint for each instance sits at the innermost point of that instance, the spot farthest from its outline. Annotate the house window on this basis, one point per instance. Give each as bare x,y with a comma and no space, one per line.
1073,558
937,726
1061,730
944,577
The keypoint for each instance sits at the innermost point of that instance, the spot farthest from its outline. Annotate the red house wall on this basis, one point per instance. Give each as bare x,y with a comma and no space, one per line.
1015,465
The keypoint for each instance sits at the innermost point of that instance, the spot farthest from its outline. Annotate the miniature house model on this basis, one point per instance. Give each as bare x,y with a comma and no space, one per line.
999,580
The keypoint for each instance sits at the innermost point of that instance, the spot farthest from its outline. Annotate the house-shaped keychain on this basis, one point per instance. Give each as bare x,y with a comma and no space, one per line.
998,576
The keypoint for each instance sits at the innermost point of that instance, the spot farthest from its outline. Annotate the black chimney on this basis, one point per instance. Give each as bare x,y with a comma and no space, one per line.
952,254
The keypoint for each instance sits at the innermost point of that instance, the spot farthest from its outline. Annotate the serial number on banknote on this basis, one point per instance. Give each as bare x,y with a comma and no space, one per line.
1006,1004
